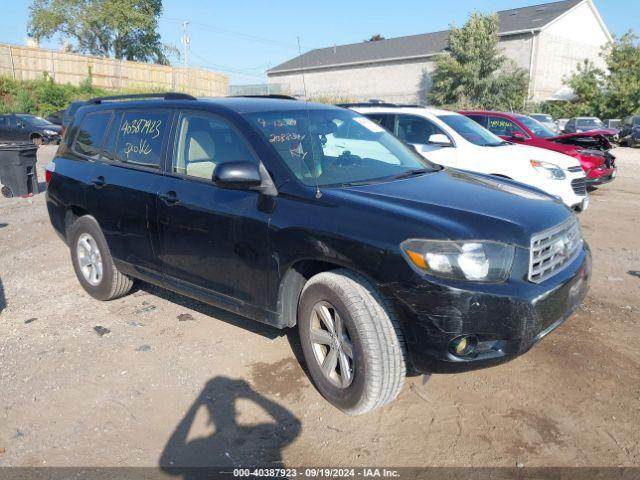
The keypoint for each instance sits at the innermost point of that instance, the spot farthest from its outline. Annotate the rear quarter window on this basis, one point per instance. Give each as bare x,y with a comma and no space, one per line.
90,135
140,136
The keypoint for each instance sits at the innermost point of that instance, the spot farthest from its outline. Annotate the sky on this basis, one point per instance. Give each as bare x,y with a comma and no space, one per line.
243,38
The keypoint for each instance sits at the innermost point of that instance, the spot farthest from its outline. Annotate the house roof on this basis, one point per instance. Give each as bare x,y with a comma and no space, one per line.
511,21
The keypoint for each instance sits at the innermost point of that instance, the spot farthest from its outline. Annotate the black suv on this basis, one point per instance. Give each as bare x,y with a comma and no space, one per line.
24,127
630,131
293,213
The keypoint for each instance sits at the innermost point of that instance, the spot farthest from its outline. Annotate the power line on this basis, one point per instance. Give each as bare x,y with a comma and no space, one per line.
234,33
224,68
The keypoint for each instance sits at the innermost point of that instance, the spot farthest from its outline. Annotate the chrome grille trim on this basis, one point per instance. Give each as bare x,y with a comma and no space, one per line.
552,250
579,186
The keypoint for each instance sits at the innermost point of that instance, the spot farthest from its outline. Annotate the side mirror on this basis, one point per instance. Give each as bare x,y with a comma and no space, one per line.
440,139
518,136
237,175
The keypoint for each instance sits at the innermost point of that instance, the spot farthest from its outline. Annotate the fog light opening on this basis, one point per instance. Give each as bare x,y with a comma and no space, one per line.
463,346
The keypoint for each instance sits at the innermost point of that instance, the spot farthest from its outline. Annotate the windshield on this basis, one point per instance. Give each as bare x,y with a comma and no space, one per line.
336,147
538,129
590,123
471,131
33,120
542,117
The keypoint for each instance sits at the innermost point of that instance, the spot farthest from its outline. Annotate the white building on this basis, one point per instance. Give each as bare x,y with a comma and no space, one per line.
547,40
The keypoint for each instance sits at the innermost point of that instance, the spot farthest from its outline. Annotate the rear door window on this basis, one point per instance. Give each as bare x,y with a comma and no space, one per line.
91,133
140,136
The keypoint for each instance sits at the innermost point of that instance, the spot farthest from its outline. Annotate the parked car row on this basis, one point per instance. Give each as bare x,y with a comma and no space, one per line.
317,217
454,140
591,149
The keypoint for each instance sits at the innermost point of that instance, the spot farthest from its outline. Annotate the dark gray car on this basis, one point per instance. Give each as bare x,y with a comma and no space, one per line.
18,127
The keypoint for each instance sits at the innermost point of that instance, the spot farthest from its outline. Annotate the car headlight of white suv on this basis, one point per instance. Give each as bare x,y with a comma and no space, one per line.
549,170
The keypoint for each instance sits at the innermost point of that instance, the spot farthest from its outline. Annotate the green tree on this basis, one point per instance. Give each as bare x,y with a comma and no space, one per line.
473,73
586,83
622,84
610,93
124,29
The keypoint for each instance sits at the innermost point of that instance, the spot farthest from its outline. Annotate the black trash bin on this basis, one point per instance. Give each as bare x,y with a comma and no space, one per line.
18,176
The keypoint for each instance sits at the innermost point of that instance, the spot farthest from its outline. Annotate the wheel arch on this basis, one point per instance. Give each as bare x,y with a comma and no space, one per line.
72,213
293,281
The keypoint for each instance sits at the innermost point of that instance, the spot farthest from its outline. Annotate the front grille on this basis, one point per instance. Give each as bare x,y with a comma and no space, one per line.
554,249
575,169
579,186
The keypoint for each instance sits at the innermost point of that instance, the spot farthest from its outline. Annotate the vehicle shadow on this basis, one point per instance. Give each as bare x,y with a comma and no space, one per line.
3,299
634,273
232,444
262,329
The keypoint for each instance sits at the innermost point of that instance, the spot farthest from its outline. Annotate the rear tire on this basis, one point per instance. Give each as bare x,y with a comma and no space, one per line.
367,367
93,263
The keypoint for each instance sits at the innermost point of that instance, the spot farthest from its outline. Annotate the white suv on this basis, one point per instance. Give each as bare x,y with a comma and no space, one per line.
453,140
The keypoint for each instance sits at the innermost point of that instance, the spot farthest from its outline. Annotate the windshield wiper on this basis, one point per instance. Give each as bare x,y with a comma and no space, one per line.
499,144
407,174
411,173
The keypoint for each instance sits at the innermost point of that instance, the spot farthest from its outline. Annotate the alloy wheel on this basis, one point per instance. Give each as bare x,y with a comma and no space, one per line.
332,346
89,259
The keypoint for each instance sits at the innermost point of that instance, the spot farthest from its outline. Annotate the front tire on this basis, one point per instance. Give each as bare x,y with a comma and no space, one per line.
351,340
93,263
37,140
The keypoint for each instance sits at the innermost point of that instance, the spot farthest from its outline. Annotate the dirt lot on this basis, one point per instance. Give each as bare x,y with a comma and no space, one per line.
175,381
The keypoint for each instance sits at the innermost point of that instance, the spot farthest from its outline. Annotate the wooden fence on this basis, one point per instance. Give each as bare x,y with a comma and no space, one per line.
30,63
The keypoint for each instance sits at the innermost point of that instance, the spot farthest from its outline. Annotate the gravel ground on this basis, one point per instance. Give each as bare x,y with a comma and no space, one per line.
155,378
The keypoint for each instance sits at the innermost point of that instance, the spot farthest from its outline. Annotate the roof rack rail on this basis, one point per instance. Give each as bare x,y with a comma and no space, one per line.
366,104
378,104
271,95
140,96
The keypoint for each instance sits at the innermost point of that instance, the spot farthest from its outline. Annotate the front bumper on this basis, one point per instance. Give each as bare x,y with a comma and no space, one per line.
507,319
572,195
52,139
606,177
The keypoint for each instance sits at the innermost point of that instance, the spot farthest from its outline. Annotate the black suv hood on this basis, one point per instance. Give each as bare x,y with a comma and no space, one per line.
463,205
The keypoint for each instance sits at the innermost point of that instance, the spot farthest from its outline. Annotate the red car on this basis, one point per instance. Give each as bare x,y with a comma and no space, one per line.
592,148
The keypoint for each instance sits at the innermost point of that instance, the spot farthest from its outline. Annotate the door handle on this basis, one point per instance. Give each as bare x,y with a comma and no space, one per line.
170,198
99,182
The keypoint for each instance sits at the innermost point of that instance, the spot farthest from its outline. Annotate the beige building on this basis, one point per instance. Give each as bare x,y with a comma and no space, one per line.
547,40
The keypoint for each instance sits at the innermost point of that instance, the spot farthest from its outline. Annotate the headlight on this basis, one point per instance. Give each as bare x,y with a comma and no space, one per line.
549,170
480,261
50,132
591,153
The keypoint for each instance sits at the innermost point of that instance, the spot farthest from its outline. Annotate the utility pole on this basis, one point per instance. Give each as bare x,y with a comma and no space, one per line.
185,44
